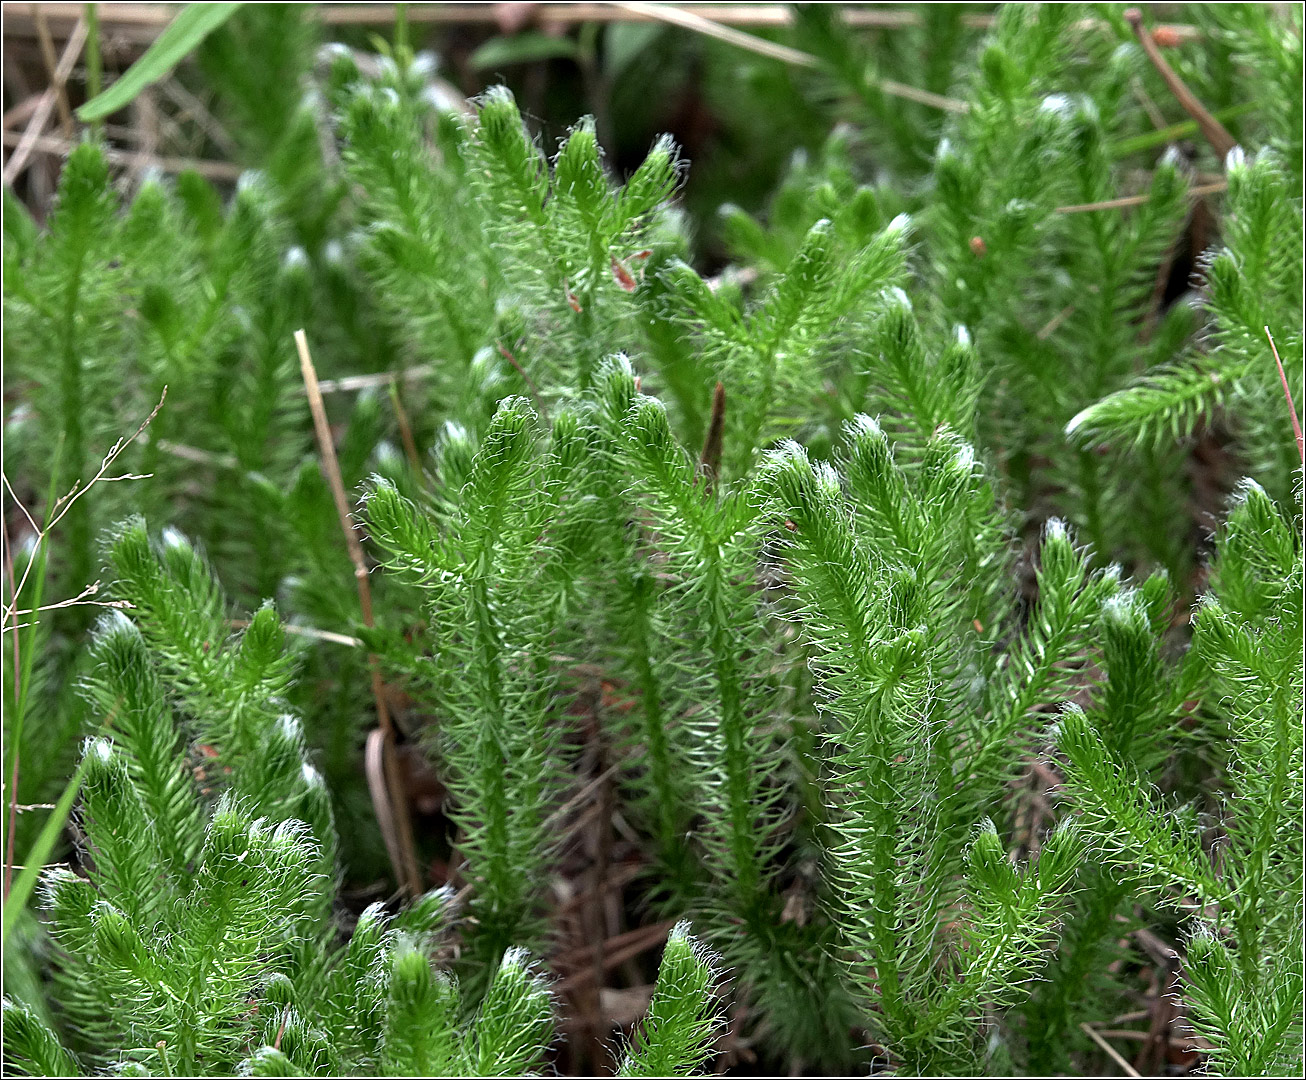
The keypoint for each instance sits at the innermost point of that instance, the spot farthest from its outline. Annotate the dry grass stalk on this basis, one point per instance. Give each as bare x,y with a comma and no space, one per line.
1287,393
51,71
131,159
1110,1050
1197,192
1214,131
41,114
141,22
388,797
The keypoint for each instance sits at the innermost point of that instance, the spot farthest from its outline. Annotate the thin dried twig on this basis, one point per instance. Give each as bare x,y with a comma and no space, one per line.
22,112
1196,192
197,456
8,620
618,950
198,111
83,597
382,768
581,796
348,383
1215,132
65,503
1051,325
146,121
309,632
692,20
52,70
1154,114
1292,409
1155,1049
140,22
618,879
281,1031
1142,1036
710,460
390,807
19,503
132,159
331,467
507,354
406,431
1124,1065
41,114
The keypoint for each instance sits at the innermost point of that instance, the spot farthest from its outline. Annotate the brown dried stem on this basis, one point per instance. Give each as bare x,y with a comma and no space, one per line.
132,159
692,20
710,460
51,70
1111,1051
139,22
1292,409
1215,132
1196,192
388,798
65,502
406,431
41,114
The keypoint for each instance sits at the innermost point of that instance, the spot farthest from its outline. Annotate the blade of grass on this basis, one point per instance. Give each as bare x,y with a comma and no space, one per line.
1183,130
24,656
191,26
36,858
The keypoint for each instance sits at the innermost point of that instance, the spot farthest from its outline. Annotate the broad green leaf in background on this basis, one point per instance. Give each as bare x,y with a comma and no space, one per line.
191,26
521,49
624,41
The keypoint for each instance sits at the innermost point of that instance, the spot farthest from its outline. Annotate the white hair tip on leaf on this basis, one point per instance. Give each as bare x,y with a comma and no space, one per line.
1078,419
827,478
895,294
1245,489
289,726
515,958
1121,608
790,450
964,460
861,424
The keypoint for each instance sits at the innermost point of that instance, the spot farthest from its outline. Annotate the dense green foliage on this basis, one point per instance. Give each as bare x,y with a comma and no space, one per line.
206,923
848,588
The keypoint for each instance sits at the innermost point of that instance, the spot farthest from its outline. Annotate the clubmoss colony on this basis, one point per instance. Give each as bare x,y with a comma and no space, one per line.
892,690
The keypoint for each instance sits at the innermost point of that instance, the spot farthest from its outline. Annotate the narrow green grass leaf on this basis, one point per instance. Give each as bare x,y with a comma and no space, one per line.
191,26
40,852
